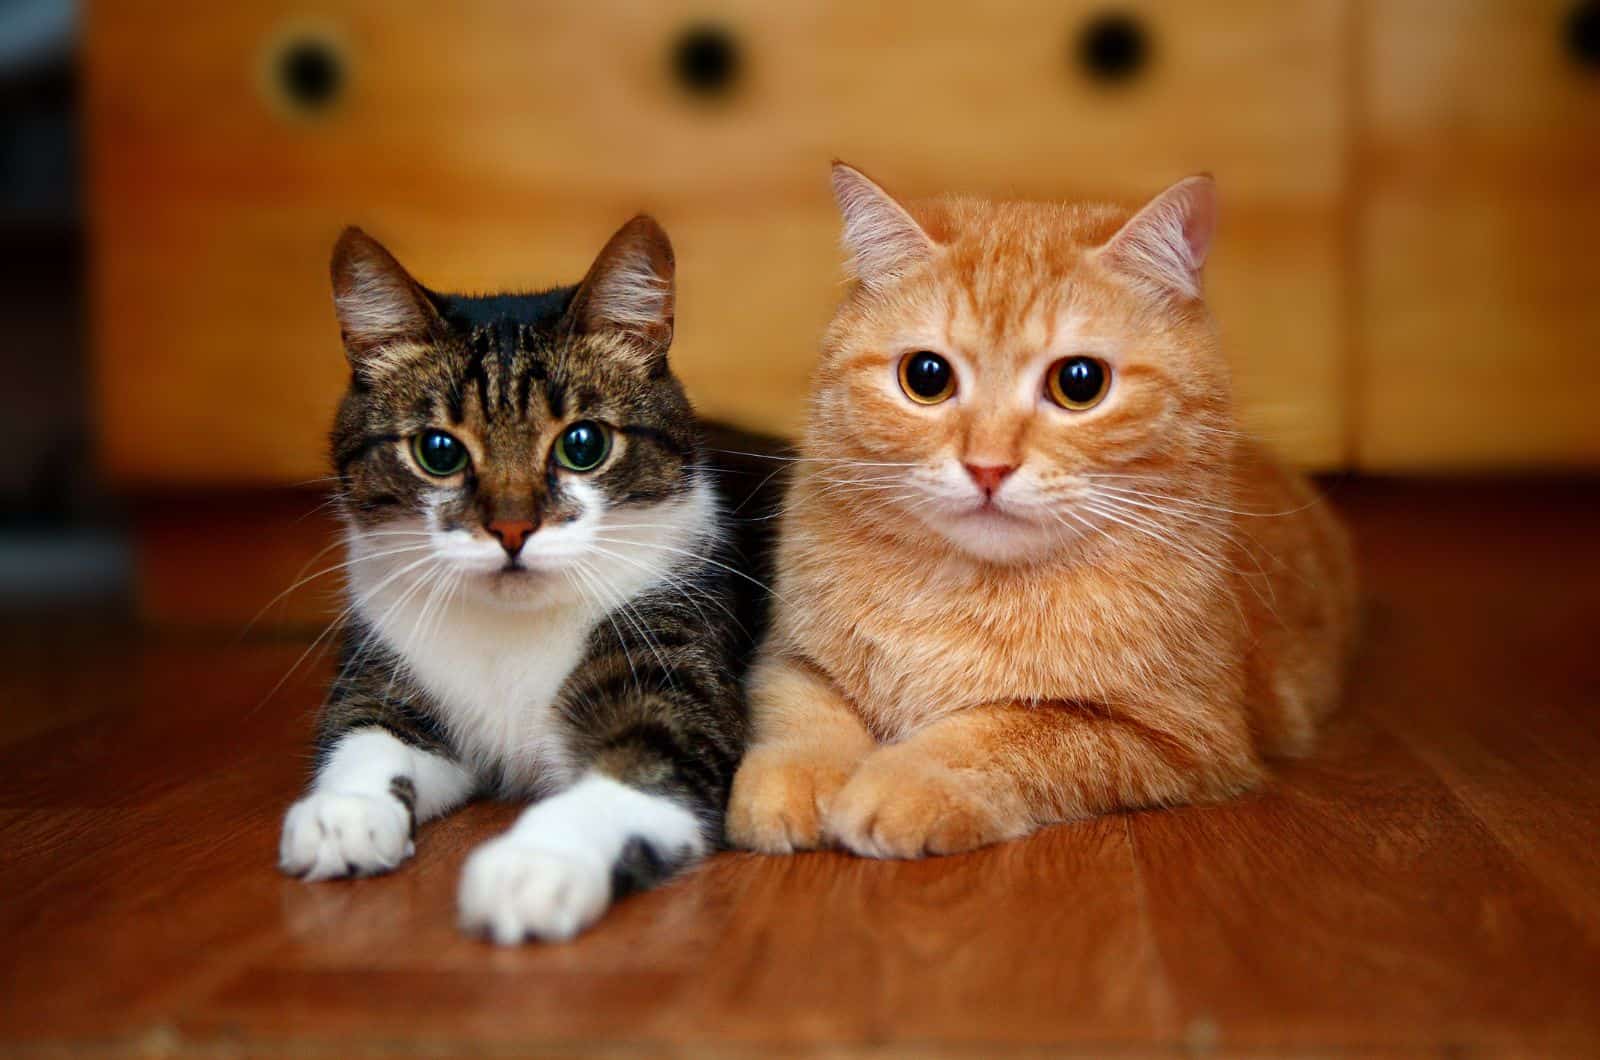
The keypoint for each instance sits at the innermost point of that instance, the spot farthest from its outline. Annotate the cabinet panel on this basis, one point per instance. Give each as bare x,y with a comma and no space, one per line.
499,145
1480,331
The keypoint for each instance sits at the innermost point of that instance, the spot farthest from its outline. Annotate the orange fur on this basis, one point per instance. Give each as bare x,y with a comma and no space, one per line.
1157,606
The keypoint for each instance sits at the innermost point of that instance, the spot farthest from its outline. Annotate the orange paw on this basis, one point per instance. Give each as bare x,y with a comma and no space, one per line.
779,797
897,806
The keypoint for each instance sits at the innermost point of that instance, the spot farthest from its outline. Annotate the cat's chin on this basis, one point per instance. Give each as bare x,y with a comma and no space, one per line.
522,589
993,536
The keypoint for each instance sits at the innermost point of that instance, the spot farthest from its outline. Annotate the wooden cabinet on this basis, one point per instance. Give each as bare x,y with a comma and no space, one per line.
1478,341
1405,275
497,145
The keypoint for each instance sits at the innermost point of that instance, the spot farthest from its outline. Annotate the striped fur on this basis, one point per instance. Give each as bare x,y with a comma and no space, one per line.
597,670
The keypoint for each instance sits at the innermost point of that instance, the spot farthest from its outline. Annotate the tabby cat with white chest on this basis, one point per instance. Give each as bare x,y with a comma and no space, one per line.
544,600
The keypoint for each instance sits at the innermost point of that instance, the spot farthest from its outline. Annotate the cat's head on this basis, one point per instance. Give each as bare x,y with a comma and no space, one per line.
512,447
1000,372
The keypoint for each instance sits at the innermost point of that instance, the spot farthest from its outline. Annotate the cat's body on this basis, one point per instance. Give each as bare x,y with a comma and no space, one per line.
545,601
1001,609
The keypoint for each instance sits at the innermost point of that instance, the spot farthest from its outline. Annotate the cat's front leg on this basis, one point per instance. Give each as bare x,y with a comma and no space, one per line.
1000,771
649,804
370,792
808,740
560,866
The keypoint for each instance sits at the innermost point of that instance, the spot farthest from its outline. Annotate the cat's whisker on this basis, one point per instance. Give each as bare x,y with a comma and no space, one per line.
1189,502
426,578
438,579
592,579
834,460
695,555
1124,518
677,583
331,626
1240,541
307,579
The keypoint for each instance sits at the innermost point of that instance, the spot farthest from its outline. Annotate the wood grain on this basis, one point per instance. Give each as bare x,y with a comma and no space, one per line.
1424,884
500,146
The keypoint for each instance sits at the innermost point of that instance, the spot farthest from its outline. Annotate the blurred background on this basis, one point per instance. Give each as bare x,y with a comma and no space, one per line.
1406,276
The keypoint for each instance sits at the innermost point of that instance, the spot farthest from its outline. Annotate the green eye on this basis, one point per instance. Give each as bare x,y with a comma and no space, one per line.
583,446
438,453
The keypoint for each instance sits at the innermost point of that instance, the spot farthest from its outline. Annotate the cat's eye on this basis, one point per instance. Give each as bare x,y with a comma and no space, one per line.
583,446
439,453
926,377
1078,383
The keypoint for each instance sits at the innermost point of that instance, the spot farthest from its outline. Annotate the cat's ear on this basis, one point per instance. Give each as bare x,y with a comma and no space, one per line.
629,288
1166,242
377,301
883,240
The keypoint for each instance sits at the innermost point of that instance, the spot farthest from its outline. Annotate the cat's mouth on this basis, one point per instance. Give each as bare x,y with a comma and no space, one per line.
513,570
989,509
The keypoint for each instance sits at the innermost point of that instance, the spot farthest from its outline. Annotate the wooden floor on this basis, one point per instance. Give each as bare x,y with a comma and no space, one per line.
1428,883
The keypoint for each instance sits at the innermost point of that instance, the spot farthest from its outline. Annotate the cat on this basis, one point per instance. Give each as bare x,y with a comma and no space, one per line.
1030,570
545,601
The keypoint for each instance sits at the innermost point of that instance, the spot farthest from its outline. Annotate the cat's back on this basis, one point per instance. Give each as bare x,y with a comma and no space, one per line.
1296,582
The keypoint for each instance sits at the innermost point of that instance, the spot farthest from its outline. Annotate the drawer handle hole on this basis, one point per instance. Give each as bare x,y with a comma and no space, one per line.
706,61
1113,47
308,74
1583,34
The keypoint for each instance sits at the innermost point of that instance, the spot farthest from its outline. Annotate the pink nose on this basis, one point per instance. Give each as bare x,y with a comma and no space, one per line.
989,476
512,533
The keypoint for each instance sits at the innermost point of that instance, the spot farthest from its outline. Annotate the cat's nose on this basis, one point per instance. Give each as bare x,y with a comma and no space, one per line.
512,533
989,476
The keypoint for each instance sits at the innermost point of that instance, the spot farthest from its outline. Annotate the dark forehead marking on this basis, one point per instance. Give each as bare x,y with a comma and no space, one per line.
534,370
477,372
508,334
555,395
505,331
541,311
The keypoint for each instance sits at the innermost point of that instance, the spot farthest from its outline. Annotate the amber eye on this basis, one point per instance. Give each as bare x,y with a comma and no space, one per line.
1079,383
926,377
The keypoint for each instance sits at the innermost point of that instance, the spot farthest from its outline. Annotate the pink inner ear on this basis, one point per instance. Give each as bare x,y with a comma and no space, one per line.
1167,241
1199,219
376,300
629,287
881,236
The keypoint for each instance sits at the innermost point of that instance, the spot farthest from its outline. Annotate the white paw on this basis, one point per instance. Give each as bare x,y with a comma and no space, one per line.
327,834
515,889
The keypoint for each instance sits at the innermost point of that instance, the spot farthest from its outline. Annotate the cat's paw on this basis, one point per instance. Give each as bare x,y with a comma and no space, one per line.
779,798
513,890
896,806
332,834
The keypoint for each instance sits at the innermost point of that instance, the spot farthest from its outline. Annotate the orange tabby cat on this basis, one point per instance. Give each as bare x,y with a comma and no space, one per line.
1030,570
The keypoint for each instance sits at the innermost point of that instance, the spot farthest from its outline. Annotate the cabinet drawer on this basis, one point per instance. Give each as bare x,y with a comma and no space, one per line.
497,146
1479,290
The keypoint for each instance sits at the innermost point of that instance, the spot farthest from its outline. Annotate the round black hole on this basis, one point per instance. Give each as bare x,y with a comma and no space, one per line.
705,60
310,73
1112,47
1583,33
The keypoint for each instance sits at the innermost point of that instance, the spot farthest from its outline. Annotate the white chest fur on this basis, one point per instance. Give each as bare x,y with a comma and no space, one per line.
492,673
